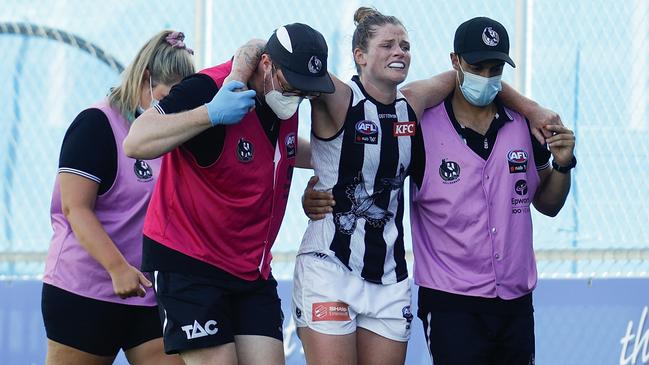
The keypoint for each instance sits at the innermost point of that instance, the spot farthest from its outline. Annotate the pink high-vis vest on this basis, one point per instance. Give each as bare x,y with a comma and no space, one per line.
121,212
228,214
471,222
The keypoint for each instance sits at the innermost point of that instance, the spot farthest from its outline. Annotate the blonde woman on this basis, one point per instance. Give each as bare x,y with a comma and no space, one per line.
95,299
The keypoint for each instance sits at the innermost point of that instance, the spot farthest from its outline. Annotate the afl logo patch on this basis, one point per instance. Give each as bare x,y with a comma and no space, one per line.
366,132
490,37
517,160
291,145
142,170
449,171
245,150
315,65
521,187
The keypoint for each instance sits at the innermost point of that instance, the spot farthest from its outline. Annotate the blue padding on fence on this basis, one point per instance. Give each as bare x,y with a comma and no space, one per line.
578,322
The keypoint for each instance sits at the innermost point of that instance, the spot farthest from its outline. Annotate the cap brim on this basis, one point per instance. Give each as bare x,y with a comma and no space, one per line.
316,84
477,57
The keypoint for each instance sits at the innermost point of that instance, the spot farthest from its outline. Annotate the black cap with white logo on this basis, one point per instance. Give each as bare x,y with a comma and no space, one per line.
482,39
301,53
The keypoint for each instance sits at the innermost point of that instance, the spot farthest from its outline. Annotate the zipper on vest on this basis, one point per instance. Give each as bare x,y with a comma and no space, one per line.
276,162
263,257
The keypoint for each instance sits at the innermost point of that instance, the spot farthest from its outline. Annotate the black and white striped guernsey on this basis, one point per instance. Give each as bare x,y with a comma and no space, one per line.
364,165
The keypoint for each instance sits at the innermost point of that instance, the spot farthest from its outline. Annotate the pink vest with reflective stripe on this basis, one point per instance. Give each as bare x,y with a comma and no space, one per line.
228,214
121,212
471,222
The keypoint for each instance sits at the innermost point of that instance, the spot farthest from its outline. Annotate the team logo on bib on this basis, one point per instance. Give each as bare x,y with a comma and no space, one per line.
402,129
449,171
142,170
366,132
245,150
517,160
291,145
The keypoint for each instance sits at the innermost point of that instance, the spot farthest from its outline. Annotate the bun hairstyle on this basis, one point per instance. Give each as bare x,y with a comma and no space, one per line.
364,12
367,20
167,60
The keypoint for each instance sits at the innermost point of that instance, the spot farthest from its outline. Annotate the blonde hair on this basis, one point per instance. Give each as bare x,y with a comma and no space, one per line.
367,20
166,64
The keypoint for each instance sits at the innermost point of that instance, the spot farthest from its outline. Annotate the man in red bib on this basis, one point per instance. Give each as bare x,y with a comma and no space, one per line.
221,196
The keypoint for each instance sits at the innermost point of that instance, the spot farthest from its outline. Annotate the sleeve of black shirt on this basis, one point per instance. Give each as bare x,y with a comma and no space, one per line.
89,149
417,158
192,92
541,152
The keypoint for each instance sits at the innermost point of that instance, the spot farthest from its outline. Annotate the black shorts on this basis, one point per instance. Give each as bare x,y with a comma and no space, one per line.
199,312
94,326
477,338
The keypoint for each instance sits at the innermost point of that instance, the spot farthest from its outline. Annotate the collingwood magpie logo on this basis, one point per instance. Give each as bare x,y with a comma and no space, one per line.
449,171
245,151
197,331
291,145
315,65
407,314
364,204
142,170
490,37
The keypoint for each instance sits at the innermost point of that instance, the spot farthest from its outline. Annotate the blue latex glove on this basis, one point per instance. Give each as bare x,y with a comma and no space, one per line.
229,106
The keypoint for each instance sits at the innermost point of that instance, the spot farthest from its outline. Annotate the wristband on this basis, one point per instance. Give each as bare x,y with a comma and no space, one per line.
565,169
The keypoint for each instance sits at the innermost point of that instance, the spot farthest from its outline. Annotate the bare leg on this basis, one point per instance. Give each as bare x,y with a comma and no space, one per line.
253,350
323,349
152,353
374,349
217,355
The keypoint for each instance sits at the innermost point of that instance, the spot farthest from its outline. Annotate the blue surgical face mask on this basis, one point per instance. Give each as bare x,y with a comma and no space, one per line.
479,90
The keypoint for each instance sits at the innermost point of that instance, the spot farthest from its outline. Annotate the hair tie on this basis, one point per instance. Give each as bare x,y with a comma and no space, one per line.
175,39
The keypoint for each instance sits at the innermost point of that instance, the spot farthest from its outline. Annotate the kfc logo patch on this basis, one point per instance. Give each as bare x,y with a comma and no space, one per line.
402,129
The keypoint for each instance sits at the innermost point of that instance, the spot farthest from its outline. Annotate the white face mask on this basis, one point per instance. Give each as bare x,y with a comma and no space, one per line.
139,109
283,106
154,101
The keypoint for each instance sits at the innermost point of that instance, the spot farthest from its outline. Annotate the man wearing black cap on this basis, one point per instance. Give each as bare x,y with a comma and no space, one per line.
470,209
221,196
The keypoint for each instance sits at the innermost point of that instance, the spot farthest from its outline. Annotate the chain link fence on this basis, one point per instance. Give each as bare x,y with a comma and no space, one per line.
587,60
